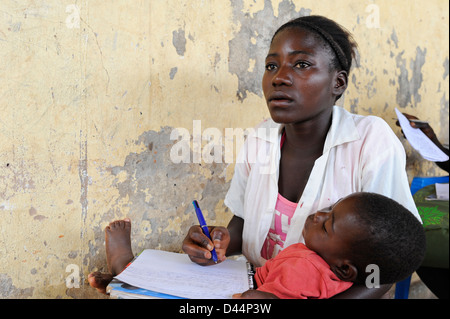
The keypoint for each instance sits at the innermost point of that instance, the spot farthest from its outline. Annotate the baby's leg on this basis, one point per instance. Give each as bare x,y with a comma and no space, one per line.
118,245
118,253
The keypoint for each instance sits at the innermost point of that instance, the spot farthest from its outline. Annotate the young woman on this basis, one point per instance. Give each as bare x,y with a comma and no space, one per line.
320,153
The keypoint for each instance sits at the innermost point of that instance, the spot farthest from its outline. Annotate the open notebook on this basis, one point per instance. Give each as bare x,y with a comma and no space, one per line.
163,274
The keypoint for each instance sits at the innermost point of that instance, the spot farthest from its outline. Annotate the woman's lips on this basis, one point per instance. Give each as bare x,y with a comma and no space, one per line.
279,99
279,103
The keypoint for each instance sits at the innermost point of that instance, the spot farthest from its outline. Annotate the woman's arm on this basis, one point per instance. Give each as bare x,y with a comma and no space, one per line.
255,294
235,227
362,292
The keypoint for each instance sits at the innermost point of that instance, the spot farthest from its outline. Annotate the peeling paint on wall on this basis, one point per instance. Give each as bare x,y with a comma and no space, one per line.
408,87
179,41
173,71
159,193
8,290
251,42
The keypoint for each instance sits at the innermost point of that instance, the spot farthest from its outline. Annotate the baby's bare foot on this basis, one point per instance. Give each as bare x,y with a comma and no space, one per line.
118,245
99,281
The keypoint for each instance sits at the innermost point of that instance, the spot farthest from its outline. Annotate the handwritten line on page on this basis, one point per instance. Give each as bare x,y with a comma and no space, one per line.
175,274
420,142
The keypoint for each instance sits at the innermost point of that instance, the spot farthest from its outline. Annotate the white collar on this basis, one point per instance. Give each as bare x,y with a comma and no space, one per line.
342,130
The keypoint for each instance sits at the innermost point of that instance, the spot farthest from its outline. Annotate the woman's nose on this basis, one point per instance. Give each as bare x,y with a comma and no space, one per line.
282,77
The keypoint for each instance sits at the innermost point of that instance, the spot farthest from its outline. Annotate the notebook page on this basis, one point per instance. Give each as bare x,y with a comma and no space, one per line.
420,142
442,191
175,274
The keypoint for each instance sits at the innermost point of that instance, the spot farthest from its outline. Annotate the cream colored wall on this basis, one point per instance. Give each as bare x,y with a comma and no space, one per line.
91,90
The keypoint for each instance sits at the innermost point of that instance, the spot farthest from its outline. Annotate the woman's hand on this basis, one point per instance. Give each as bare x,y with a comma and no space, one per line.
198,246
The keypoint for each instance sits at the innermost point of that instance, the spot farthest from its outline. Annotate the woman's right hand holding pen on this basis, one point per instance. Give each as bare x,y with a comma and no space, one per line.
198,246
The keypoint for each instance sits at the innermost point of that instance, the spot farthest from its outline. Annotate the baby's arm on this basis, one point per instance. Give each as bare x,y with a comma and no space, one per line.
255,294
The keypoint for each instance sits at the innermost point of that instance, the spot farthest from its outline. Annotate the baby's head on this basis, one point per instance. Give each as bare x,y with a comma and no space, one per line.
363,229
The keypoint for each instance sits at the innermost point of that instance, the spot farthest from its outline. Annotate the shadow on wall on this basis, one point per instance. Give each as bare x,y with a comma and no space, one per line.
158,195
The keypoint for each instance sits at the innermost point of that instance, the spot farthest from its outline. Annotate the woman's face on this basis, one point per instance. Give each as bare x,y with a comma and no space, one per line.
299,83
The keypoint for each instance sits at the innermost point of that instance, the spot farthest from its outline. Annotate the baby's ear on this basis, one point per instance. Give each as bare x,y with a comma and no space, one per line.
345,271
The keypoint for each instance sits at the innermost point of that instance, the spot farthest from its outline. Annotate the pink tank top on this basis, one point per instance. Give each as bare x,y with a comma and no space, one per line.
284,210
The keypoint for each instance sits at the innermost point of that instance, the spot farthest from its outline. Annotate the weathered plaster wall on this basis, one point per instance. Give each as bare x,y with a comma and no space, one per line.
92,90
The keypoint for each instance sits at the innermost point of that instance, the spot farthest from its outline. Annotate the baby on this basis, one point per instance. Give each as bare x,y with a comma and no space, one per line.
361,229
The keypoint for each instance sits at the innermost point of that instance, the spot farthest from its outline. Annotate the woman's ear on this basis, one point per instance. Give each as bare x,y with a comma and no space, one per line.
340,82
345,271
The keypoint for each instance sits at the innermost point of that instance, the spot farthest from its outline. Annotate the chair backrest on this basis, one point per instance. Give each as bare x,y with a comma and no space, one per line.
420,182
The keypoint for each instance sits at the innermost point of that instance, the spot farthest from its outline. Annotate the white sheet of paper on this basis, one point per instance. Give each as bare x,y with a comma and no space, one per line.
442,191
420,142
175,274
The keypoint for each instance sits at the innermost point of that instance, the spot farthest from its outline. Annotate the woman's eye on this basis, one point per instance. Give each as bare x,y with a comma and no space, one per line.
301,65
270,66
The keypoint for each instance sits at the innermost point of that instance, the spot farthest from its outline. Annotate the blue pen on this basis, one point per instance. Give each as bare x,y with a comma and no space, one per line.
204,227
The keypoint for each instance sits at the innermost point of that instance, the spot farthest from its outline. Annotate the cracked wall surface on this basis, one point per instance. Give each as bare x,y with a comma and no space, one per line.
92,91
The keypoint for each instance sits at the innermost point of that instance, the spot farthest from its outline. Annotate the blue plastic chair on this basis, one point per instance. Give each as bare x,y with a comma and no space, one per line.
420,182
402,287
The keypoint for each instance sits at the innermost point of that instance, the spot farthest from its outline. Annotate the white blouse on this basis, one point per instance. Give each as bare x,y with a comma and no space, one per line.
361,154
